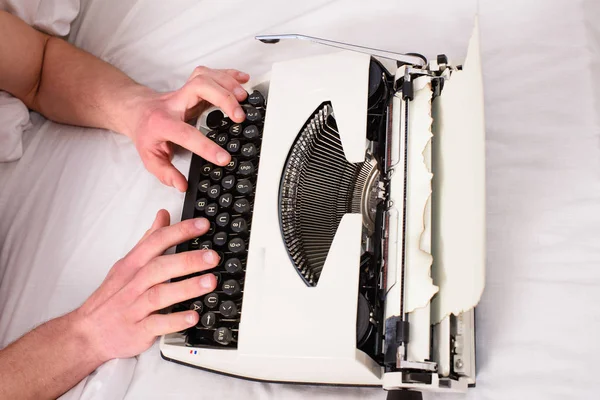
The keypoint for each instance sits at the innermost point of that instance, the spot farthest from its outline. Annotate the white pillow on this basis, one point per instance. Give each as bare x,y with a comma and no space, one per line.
53,17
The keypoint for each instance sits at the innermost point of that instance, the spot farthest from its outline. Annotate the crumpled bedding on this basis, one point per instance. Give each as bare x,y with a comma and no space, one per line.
78,199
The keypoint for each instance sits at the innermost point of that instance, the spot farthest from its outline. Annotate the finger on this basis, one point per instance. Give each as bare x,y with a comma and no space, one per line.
163,268
188,137
161,167
229,82
240,76
163,238
162,219
204,87
160,324
166,294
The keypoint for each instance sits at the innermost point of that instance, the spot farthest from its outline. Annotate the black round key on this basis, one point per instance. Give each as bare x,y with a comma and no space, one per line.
211,209
223,336
252,114
228,182
197,306
223,219
214,191
211,229
239,225
201,204
222,139
214,119
211,300
206,245
243,186
209,320
203,186
233,265
231,287
236,245
216,174
256,99
194,243
225,200
220,239
228,309
221,262
232,165
241,206
235,129
233,146
212,135
246,168
251,132
206,168
249,150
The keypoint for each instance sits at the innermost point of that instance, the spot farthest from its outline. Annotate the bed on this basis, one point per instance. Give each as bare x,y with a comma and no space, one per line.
78,199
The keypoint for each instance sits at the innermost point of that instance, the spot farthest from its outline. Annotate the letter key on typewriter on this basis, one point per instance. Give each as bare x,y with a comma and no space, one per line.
224,196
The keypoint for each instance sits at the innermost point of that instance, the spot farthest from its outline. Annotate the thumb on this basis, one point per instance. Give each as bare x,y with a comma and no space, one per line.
161,167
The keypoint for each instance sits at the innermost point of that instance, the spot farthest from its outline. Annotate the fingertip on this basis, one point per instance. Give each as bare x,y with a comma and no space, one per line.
242,77
223,158
191,318
180,185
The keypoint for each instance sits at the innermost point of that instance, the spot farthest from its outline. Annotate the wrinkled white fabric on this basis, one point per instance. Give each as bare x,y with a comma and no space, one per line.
79,199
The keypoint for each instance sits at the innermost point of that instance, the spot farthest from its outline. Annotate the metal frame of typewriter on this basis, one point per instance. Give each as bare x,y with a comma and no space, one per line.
425,327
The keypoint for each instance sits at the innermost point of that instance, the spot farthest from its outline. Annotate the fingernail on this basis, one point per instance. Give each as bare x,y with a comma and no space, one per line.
222,157
191,318
179,186
239,92
210,256
201,224
207,281
239,113
243,75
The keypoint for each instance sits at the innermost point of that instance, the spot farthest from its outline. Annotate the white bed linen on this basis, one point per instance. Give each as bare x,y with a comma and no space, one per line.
79,199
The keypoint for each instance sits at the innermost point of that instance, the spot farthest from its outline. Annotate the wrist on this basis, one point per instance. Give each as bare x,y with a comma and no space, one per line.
82,331
137,103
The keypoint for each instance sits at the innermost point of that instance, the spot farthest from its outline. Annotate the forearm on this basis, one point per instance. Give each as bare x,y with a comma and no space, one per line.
48,361
79,89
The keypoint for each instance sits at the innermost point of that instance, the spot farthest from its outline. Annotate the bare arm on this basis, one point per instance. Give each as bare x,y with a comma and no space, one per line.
70,86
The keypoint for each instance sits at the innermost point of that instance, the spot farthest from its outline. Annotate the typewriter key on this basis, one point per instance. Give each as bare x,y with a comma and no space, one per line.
233,266
236,245
250,132
201,204
252,114
232,165
212,135
239,225
225,200
233,146
196,306
206,168
216,174
203,186
209,320
241,206
211,300
244,186
231,287
246,168
249,150
228,309
256,99
223,336
235,129
221,139
228,182
214,119
214,191
223,219
220,239
211,210
206,245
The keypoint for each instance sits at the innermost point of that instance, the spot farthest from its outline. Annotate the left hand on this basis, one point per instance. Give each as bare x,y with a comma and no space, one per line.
161,121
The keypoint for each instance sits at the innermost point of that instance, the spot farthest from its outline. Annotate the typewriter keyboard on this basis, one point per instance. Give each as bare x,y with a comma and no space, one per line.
225,196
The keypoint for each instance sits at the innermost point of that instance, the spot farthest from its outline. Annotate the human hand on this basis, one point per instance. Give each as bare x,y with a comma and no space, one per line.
120,319
160,121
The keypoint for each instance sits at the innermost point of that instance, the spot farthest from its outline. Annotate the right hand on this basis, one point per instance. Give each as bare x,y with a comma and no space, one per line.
120,319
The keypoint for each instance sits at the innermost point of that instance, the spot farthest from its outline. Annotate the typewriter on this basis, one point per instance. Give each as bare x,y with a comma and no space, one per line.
350,224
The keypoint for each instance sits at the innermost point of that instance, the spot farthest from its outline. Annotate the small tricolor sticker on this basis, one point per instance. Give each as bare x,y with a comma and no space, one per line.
193,351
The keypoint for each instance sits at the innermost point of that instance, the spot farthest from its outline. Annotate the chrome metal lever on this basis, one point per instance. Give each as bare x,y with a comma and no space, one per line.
404,58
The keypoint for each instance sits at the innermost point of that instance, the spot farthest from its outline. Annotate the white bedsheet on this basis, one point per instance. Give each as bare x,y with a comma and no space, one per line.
78,199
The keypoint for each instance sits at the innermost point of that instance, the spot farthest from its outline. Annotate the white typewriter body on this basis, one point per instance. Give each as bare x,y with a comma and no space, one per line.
290,332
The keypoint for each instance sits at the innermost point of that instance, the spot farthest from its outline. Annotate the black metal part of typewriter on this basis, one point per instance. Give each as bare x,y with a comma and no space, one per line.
224,196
